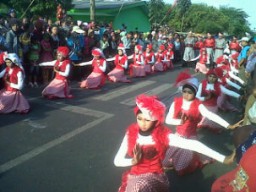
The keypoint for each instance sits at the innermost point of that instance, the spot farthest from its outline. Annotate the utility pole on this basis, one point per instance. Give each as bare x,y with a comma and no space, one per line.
92,10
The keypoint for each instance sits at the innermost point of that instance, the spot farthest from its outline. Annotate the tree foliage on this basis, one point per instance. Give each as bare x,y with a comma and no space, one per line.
38,7
201,18
156,11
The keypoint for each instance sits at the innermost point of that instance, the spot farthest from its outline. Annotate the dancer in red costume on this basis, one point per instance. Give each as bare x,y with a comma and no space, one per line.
144,146
121,63
186,112
169,56
208,92
159,65
11,98
149,56
137,68
203,60
58,87
97,78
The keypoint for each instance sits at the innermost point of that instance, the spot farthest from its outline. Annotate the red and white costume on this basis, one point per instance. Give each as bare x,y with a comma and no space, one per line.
121,63
97,78
203,60
11,98
223,100
234,47
148,175
149,57
198,46
160,65
58,87
169,56
137,68
186,161
215,90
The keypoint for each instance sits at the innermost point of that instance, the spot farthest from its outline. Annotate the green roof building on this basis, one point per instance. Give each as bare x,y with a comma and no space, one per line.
131,14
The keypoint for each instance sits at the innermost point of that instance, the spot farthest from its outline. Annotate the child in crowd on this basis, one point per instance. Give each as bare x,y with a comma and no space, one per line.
45,56
33,57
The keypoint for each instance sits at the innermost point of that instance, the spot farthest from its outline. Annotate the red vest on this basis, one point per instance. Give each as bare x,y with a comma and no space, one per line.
193,115
169,54
148,57
61,66
209,43
119,61
203,58
152,155
12,78
215,93
234,46
199,45
160,57
96,64
137,58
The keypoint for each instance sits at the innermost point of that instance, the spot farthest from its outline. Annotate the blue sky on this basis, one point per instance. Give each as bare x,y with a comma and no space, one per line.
246,5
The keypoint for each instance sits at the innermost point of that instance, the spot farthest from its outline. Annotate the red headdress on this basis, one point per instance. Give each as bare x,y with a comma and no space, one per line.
162,47
170,46
216,71
138,47
151,107
150,46
185,78
63,50
96,52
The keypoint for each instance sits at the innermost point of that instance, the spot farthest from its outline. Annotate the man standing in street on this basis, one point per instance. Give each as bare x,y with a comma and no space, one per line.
220,44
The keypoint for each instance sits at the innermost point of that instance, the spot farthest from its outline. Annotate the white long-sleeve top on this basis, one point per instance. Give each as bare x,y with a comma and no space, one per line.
202,109
2,73
232,84
152,58
49,63
210,87
233,76
20,82
103,67
174,141
52,63
66,72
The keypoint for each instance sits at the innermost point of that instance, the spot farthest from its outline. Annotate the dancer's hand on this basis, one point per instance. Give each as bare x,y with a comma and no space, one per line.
137,154
184,118
238,124
230,159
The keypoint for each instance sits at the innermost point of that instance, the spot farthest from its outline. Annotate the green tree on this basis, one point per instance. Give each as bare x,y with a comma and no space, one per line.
39,7
156,11
182,9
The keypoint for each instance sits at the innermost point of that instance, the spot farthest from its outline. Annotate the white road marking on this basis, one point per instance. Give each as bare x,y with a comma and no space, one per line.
100,117
155,91
119,92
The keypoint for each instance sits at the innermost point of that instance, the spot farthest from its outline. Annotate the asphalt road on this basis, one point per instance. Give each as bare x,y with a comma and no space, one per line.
69,145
